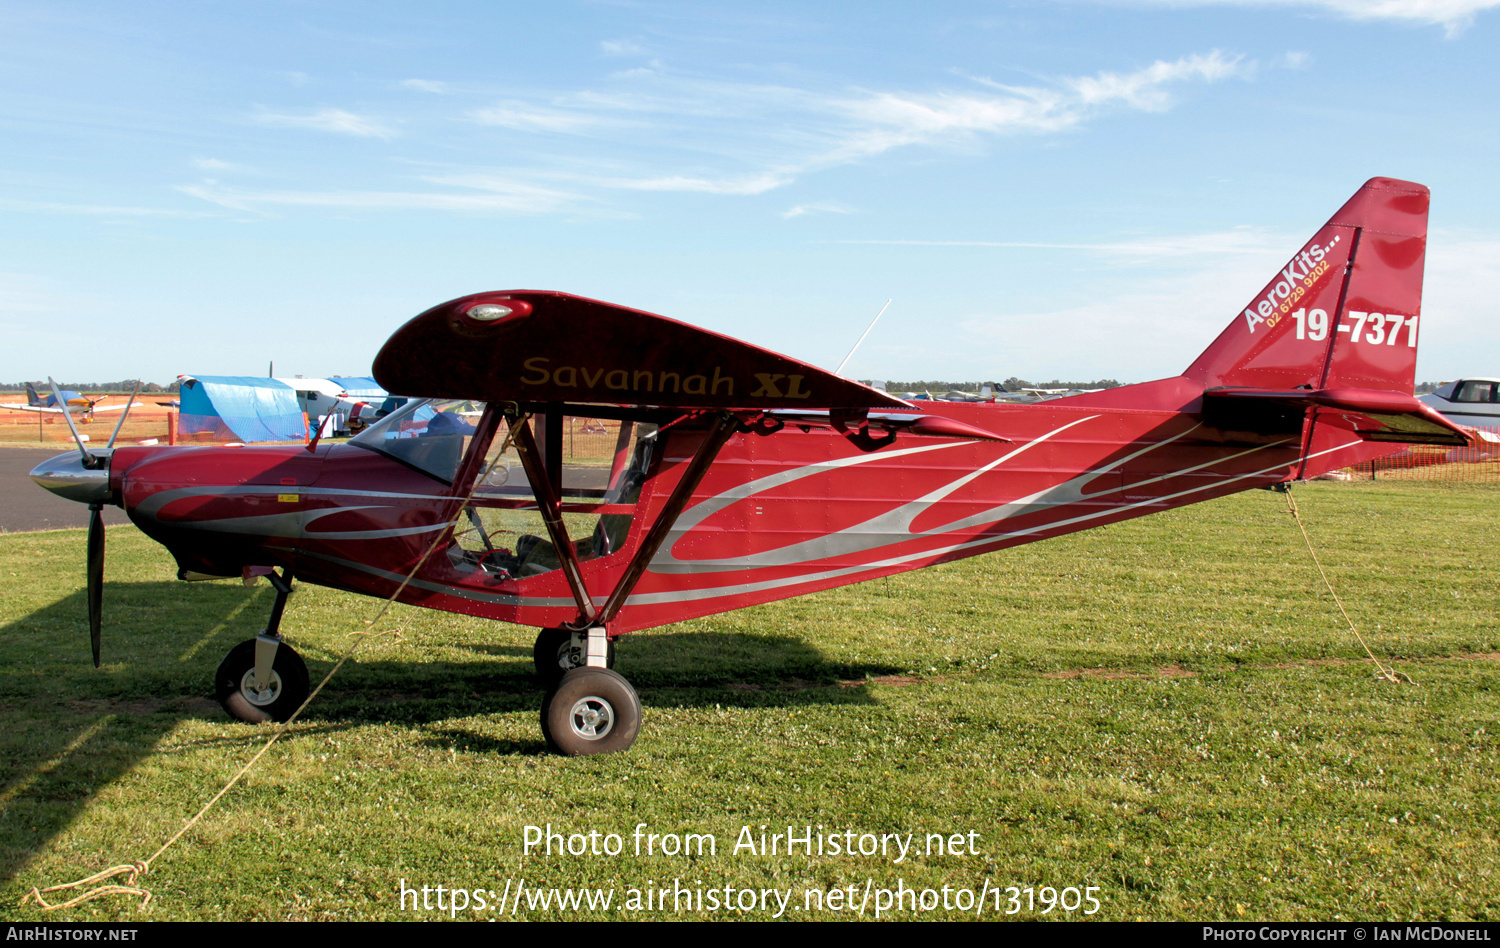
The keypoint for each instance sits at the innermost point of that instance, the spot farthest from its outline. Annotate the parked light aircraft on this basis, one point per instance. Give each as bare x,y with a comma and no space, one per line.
735,476
52,404
320,398
1471,401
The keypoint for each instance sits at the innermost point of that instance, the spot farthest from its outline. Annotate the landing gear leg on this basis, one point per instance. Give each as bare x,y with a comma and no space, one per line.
560,650
264,679
592,710
589,709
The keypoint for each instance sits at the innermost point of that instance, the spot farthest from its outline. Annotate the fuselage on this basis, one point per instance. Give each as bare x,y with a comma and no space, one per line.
777,515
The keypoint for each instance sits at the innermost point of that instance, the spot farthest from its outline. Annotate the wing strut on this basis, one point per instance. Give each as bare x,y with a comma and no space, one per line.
691,477
551,510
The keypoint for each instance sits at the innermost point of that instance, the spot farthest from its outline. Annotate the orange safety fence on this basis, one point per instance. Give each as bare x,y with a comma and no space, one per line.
146,421
1477,464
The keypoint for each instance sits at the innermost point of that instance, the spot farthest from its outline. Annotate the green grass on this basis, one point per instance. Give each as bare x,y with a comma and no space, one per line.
1168,709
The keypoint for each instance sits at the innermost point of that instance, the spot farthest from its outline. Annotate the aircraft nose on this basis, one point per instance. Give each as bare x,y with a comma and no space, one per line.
66,476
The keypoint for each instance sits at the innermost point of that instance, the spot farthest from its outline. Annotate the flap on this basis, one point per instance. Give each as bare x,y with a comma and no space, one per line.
538,346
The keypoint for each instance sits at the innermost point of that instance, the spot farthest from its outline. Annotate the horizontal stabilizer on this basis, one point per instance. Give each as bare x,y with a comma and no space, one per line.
1373,414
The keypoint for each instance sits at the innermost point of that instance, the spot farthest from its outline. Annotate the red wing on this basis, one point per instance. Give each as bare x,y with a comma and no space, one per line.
534,346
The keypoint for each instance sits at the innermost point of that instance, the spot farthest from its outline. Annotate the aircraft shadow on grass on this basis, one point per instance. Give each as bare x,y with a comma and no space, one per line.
68,731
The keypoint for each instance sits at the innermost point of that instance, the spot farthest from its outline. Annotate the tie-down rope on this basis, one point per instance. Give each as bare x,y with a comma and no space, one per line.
1383,673
133,871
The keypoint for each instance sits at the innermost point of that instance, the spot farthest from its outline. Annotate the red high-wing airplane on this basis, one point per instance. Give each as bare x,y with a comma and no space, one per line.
735,476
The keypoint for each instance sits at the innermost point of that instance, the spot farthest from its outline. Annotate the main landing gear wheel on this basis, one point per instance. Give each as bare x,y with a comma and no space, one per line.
234,685
553,654
591,711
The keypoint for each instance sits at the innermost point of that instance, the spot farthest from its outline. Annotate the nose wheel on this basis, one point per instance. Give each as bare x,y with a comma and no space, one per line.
282,693
590,711
264,679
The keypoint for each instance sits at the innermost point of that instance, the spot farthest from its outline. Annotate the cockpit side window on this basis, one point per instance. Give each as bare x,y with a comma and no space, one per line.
601,466
1476,391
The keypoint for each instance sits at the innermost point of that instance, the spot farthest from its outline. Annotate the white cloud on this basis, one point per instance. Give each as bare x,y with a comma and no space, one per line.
651,68
789,131
528,118
890,120
329,120
1239,241
1144,88
214,164
684,134
495,195
802,209
622,47
91,210
745,184
1453,15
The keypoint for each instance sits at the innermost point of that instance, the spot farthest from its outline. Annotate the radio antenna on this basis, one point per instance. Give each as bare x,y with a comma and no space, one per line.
840,369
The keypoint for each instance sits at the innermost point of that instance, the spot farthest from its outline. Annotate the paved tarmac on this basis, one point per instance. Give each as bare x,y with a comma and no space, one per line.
25,506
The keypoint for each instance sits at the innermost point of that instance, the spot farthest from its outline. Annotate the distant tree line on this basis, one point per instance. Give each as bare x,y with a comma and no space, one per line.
125,387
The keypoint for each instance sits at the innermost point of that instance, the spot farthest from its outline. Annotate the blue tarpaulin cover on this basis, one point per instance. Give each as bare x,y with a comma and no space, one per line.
363,389
245,408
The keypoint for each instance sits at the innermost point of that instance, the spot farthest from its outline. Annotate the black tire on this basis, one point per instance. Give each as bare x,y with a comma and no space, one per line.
591,711
553,654
289,685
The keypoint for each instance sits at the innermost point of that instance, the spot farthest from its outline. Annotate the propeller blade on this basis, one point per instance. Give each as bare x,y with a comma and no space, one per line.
121,423
96,577
88,460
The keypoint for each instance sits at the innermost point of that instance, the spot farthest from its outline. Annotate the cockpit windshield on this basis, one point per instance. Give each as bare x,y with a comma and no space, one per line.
430,435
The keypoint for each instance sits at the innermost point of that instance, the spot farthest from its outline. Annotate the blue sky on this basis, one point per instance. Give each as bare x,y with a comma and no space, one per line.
1043,188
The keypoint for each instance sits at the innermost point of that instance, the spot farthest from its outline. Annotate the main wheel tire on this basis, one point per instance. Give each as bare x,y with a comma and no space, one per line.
553,654
234,685
591,711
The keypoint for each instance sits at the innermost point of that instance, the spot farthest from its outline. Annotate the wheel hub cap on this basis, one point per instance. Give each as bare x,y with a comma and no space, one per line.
260,698
592,718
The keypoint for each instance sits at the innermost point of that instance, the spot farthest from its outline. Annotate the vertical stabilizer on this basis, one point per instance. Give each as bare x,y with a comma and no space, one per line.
1343,312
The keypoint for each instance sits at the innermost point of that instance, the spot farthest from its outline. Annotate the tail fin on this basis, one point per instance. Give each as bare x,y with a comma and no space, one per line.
31,396
1344,312
1330,345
